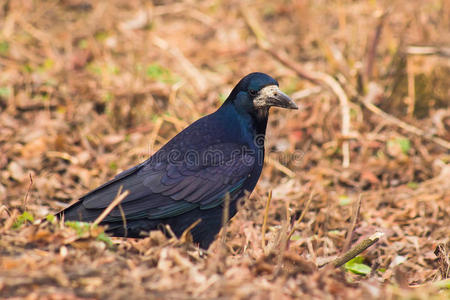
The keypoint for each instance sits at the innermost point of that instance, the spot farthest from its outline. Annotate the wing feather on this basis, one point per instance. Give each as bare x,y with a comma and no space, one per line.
162,188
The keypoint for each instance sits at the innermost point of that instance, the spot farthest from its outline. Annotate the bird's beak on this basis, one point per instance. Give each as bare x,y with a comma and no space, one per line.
271,95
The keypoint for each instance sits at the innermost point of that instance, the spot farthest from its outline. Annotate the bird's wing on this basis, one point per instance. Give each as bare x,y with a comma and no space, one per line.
169,186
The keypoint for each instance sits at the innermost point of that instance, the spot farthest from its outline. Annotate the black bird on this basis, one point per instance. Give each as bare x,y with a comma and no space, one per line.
220,155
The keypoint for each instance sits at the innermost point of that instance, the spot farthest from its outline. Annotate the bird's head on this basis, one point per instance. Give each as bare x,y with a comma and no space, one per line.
259,92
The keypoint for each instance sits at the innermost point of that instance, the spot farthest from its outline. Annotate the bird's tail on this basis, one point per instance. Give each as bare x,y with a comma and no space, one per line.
77,212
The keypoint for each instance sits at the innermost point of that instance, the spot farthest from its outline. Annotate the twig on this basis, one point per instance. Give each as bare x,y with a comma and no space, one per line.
154,133
34,107
352,253
25,200
428,50
187,231
5,209
282,246
442,252
62,155
168,230
179,124
264,225
306,93
10,221
124,220
120,196
374,92
225,215
319,78
411,77
279,166
373,45
355,215
311,196
287,205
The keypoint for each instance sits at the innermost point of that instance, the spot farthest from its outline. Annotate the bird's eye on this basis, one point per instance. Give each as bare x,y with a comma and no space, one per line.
252,92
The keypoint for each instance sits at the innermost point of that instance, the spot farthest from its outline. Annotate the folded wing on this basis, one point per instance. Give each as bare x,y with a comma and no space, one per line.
169,185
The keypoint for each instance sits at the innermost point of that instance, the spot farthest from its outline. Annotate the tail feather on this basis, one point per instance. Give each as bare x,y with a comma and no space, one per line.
77,212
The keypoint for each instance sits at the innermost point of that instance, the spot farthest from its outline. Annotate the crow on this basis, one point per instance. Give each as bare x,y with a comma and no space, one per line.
215,160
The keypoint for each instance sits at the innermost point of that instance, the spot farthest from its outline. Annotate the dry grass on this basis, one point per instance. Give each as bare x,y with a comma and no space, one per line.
89,88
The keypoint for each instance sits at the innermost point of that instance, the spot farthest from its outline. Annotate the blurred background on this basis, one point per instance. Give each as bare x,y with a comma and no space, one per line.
91,88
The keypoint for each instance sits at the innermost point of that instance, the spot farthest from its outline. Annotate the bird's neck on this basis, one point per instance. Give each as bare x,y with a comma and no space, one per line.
252,123
259,120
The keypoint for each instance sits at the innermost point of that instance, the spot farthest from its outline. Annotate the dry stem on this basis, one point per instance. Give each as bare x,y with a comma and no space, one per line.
301,216
264,225
225,215
359,248
187,231
124,220
25,200
120,196
279,166
355,214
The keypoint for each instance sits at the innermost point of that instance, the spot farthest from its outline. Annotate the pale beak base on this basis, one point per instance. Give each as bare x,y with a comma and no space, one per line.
271,95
